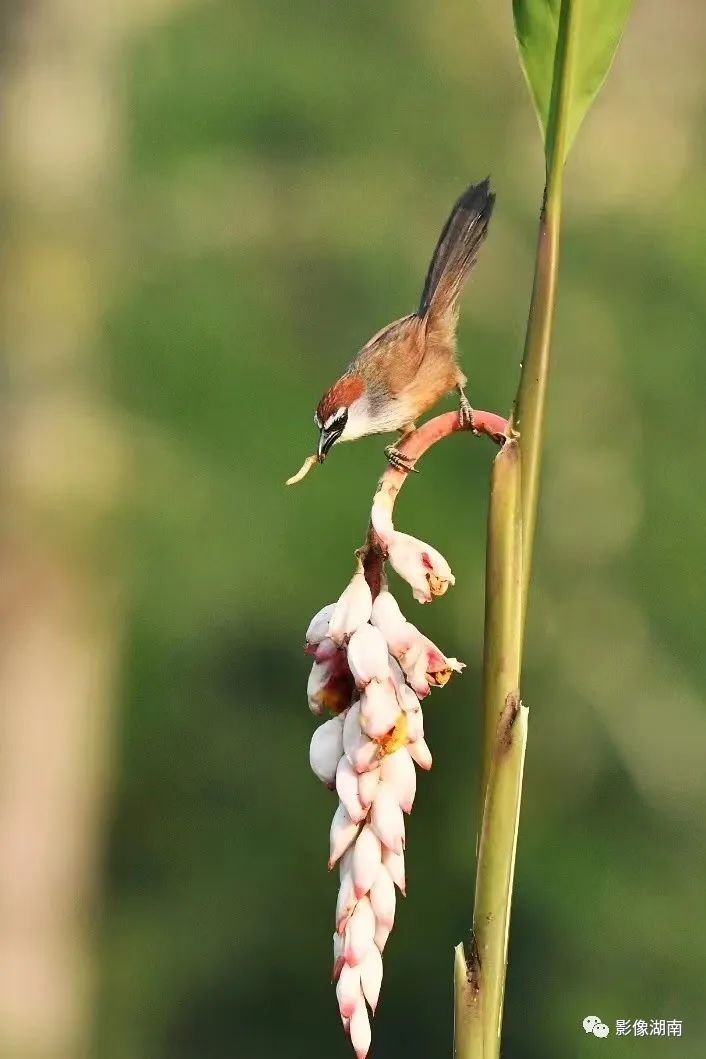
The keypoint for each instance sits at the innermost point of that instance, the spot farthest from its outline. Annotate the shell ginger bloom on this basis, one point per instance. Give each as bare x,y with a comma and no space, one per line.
370,668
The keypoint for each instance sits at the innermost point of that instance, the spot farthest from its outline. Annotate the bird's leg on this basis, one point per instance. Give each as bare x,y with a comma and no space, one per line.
465,411
397,459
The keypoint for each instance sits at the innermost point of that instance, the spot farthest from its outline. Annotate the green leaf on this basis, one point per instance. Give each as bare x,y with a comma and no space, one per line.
566,48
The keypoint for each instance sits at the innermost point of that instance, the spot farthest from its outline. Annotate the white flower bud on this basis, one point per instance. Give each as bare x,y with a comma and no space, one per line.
360,932
421,566
394,862
407,698
386,818
338,960
346,780
396,675
318,626
348,990
367,782
420,753
367,858
379,708
381,936
413,713
343,832
360,1030
398,772
415,726
362,752
352,610
367,655
345,901
371,976
389,619
325,750
382,899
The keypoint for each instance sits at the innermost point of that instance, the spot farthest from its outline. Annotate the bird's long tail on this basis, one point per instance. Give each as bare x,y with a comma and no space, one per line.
457,250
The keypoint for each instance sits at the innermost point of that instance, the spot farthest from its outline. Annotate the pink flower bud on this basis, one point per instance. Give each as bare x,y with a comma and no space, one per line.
386,818
367,655
420,753
413,663
352,610
371,976
346,780
325,750
360,1030
437,668
367,858
348,990
345,901
362,752
343,832
421,566
394,862
367,782
424,664
382,899
379,708
330,685
323,651
398,772
360,933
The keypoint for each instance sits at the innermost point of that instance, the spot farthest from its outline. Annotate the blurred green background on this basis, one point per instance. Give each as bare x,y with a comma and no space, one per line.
268,183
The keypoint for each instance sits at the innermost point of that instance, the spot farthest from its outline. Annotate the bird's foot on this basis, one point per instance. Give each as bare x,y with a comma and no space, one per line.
465,411
398,460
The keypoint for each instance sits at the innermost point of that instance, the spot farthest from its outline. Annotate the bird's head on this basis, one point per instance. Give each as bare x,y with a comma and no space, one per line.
331,414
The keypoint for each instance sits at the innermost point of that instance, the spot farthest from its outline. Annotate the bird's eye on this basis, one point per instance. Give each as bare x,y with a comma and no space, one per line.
339,416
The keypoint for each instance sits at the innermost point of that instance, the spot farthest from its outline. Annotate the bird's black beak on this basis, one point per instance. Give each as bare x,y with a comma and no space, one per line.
327,438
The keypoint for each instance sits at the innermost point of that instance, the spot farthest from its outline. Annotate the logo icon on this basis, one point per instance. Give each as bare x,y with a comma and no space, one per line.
592,1024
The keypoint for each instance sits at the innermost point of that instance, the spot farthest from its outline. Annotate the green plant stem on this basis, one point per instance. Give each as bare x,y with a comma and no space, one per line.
479,969
528,412
496,868
480,972
503,588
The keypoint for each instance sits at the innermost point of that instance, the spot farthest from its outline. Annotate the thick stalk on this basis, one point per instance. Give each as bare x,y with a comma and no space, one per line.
496,869
480,971
503,585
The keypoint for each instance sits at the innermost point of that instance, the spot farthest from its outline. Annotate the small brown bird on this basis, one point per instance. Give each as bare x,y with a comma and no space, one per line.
409,365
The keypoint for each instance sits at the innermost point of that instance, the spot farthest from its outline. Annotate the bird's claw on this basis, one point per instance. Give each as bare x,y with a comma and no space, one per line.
398,460
466,413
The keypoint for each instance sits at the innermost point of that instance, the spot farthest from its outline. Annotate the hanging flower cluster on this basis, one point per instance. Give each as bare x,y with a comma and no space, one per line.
371,668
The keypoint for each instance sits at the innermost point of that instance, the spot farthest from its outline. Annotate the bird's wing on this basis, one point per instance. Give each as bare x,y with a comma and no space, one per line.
393,356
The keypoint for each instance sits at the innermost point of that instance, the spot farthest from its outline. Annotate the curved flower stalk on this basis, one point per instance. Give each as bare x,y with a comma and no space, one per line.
371,669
